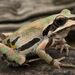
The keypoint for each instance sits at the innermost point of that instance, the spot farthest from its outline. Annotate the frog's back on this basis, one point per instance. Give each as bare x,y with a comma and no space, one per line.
26,33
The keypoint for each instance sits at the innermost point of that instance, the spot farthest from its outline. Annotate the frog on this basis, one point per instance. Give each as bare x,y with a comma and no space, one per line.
36,37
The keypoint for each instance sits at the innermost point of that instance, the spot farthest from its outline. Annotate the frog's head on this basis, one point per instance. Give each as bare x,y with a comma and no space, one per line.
62,24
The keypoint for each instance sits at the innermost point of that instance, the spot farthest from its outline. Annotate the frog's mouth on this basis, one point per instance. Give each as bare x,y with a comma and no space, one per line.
71,38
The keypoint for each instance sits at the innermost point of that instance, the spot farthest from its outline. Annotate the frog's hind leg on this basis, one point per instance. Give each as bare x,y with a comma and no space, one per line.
43,55
10,55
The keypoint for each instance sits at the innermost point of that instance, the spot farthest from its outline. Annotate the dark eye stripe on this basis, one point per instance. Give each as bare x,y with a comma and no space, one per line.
56,23
29,44
51,27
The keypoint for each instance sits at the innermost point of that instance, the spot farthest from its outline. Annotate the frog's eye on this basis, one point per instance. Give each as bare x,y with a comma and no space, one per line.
60,20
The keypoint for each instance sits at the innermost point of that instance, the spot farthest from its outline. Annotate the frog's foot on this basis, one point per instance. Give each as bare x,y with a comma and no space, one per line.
66,47
58,64
59,43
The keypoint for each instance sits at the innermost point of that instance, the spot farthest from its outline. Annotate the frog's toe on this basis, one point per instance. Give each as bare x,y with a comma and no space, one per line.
66,47
57,62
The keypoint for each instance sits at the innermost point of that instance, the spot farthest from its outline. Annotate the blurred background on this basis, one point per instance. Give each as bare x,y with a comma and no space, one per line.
15,13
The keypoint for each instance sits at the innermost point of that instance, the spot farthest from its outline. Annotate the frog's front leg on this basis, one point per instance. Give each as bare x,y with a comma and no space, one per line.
60,43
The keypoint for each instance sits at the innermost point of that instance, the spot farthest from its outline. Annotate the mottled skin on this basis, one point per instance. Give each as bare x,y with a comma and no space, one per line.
28,32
